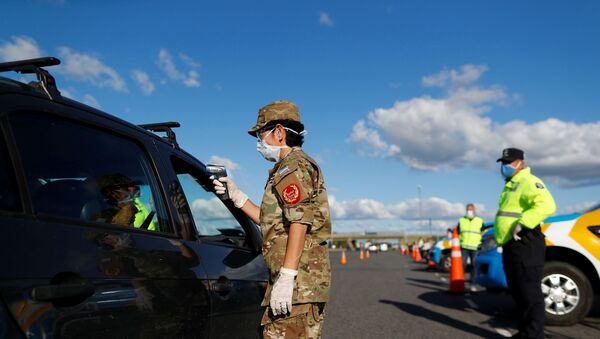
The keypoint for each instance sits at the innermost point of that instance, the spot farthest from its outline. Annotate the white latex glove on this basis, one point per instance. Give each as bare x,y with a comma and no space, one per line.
516,229
281,294
238,197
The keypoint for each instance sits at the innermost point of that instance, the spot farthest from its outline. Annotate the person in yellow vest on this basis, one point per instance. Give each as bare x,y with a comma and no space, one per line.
524,203
469,230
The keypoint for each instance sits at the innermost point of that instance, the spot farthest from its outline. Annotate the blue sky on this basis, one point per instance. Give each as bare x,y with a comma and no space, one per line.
394,94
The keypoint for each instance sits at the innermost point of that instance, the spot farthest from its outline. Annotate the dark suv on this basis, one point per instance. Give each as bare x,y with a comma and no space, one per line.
111,231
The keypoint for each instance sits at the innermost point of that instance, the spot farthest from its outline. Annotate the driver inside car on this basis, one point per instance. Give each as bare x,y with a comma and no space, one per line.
125,207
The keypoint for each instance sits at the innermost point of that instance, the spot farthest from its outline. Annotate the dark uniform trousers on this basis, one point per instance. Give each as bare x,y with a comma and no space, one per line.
523,262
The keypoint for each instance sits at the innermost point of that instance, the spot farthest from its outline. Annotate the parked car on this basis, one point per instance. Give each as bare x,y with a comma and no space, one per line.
111,231
488,263
440,254
571,276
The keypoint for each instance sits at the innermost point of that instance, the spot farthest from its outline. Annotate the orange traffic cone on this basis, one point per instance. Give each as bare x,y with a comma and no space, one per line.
430,263
418,257
343,260
457,275
362,255
368,254
414,253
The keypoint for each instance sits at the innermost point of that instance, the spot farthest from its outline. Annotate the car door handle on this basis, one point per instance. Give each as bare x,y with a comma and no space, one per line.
222,286
75,290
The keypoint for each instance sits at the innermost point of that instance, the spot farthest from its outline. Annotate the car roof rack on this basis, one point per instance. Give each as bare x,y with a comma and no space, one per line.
45,81
166,127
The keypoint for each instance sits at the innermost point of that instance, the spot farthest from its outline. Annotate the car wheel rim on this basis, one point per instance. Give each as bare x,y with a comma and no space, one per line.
561,294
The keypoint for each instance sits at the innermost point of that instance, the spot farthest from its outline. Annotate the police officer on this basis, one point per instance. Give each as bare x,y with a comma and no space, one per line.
295,223
525,202
469,228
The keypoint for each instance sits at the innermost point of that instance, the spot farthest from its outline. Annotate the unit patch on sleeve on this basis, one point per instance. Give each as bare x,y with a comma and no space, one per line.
291,194
290,188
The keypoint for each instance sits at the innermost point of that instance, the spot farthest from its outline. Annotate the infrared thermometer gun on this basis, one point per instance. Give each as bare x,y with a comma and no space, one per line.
219,171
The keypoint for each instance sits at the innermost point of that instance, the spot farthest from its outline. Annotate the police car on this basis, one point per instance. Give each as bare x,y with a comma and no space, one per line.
440,254
572,270
111,231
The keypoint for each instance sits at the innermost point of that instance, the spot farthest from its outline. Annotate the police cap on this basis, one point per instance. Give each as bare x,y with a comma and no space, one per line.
511,154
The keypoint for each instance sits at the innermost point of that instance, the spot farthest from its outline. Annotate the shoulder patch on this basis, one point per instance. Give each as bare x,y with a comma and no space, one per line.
539,185
291,194
290,187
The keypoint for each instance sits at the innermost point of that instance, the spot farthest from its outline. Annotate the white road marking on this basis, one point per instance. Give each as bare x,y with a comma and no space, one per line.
443,279
471,303
503,332
437,274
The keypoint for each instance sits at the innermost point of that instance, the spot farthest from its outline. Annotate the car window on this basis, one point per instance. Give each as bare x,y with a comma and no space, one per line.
211,216
9,196
79,172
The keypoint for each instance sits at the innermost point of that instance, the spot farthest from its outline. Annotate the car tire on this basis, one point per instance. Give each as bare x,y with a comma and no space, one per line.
562,280
445,262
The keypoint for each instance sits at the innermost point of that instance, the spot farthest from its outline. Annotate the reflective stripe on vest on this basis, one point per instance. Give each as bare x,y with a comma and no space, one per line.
508,214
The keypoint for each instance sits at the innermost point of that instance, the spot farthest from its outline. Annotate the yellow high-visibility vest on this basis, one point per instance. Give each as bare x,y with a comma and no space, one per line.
524,200
470,232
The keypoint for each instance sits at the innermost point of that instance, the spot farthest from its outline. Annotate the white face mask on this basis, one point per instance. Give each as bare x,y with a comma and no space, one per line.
269,152
471,214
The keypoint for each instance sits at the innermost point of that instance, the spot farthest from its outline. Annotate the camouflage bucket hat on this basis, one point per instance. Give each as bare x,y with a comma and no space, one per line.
277,110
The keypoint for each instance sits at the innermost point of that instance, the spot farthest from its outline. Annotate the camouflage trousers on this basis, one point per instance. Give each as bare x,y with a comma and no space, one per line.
306,322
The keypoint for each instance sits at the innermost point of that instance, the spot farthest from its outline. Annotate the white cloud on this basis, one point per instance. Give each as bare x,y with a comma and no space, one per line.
21,48
68,93
143,80
369,141
167,65
212,209
325,19
188,60
359,209
432,208
88,68
467,75
91,101
229,164
454,131
580,207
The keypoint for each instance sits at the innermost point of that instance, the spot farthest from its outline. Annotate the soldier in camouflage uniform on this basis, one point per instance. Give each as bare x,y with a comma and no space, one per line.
295,223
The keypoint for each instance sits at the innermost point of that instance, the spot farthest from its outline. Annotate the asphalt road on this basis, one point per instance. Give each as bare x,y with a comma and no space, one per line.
391,296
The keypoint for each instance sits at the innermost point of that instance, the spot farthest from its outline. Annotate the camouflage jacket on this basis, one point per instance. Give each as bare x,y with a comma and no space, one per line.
295,193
